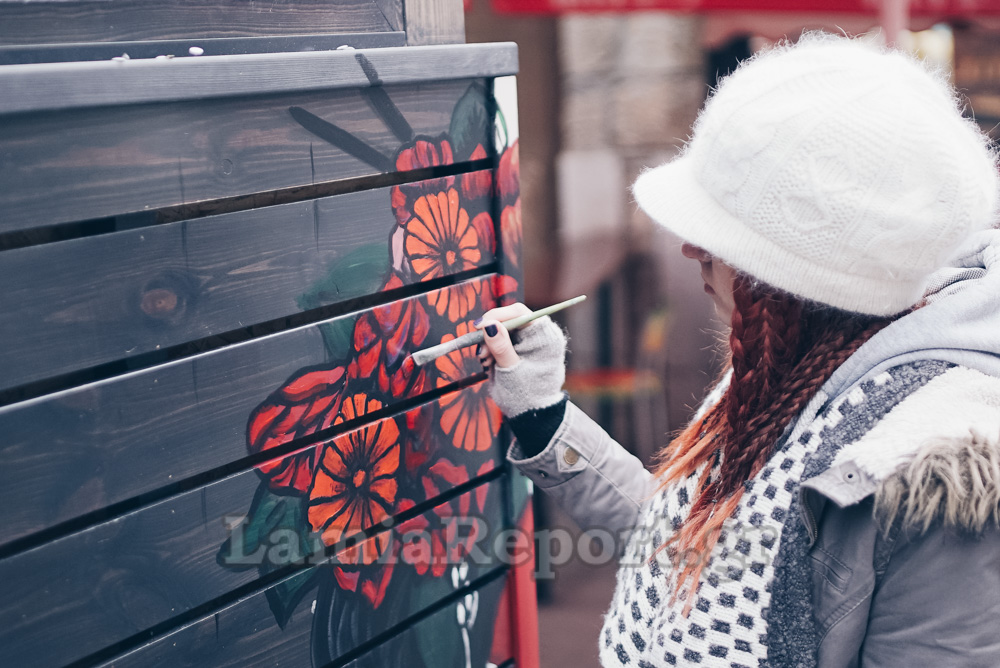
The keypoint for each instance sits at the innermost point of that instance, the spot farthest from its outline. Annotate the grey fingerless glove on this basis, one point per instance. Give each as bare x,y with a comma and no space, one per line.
536,380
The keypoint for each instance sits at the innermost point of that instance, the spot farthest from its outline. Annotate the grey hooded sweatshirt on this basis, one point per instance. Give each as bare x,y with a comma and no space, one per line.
899,525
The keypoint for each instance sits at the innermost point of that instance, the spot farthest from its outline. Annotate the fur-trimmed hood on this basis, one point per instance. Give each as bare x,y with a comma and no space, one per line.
936,455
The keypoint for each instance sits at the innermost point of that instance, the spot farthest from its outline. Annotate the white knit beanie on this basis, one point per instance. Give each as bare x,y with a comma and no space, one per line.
832,169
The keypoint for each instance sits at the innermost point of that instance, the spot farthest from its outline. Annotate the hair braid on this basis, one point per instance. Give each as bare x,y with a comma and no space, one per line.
781,353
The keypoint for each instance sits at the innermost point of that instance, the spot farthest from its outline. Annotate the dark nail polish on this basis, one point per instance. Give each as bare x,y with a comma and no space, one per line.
491,331
477,322
479,349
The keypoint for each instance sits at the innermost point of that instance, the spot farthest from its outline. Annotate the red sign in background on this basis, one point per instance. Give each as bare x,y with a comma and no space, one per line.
940,8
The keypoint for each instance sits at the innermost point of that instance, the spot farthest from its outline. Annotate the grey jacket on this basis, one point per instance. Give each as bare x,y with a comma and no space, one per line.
903,523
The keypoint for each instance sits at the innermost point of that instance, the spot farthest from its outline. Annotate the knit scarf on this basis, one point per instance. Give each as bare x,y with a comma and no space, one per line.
761,560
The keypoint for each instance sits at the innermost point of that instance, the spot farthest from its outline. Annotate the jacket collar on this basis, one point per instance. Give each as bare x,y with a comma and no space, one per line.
935,455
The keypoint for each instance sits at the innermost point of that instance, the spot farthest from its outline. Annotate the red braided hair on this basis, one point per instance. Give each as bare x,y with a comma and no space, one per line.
781,353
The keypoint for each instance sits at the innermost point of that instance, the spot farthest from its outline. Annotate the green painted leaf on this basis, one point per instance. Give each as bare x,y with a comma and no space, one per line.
361,271
501,132
263,536
274,535
468,121
442,644
286,595
520,494
337,337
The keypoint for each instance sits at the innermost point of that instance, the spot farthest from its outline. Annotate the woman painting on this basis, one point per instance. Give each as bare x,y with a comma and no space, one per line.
835,500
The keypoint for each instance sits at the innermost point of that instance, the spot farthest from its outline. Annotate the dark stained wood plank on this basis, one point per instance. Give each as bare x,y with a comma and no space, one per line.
47,87
78,451
91,163
105,584
223,46
117,20
164,285
244,635
434,22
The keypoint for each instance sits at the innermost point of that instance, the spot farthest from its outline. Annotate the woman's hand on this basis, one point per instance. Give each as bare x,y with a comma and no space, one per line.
497,346
529,374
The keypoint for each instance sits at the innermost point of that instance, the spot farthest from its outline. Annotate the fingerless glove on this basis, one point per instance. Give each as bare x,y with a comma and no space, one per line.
536,380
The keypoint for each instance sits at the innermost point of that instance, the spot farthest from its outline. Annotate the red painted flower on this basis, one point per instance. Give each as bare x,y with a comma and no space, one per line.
422,154
511,232
437,539
504,291
383,339
355,483
469,418
508,175
441,240
476,185
371,580
308,402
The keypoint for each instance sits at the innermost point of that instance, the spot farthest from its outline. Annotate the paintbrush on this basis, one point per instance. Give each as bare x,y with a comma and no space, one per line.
422,357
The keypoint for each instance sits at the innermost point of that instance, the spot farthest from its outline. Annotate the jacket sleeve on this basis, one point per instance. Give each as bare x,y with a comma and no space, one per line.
937,603
595,480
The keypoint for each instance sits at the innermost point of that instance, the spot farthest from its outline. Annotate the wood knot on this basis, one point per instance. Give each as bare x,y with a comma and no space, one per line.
165,299
159,302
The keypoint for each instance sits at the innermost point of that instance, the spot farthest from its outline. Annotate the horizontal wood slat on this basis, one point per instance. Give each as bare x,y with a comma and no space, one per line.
107,583
115,20
244,634
164,285
81,450
92,163
77,51
46,87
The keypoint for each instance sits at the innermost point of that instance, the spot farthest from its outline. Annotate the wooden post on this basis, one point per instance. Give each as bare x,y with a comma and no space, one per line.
434,22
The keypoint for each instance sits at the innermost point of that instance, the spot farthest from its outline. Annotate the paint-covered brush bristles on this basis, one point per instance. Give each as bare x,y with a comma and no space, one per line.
422,357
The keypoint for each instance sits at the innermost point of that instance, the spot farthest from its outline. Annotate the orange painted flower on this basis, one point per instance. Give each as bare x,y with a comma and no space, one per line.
441,240
355,483
423,153
307,403
469,417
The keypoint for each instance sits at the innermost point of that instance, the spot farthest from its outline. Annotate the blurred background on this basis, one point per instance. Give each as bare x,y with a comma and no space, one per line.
603,94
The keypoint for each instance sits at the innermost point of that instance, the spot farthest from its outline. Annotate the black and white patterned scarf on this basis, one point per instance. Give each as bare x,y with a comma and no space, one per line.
760,562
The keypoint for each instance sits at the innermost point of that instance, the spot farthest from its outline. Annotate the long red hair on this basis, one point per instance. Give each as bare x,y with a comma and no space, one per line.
781,352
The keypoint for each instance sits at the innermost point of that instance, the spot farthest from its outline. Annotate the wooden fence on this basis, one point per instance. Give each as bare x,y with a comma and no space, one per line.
215,450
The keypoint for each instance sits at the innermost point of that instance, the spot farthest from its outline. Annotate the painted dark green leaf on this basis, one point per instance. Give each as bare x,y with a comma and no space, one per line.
263,536
286,595
442,644
274,535
362,271
500,132
469,120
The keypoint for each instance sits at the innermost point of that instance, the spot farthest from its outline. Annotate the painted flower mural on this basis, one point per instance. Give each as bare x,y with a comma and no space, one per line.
367,489
440,240
307,403
470,419
354,485
382,339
